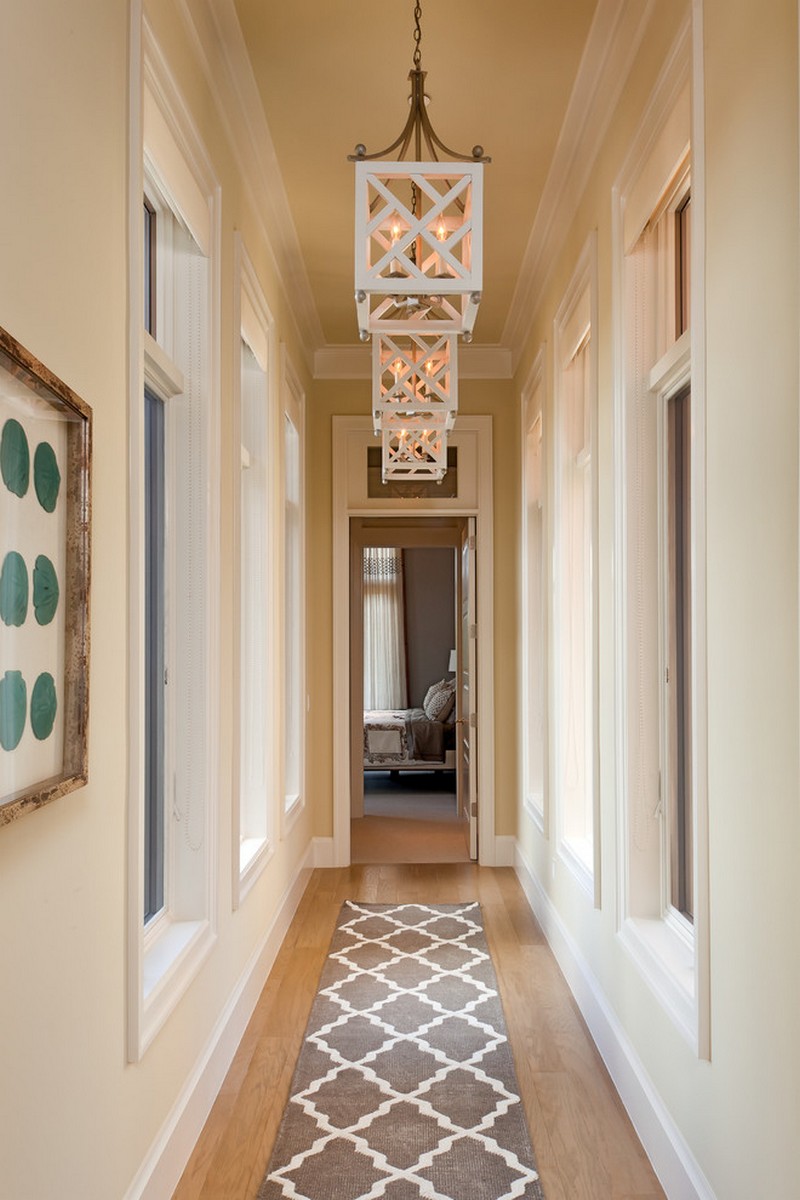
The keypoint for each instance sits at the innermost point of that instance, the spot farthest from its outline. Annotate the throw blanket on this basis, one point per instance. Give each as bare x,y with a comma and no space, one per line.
402,735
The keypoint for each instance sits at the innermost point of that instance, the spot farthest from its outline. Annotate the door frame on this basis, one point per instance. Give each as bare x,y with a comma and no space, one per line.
351,437
427,532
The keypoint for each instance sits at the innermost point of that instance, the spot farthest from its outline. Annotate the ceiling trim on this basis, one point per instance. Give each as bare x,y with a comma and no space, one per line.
614,38
222,53
355,362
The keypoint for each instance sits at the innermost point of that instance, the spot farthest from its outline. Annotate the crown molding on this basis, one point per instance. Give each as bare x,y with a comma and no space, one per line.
355,362
220,48
614,38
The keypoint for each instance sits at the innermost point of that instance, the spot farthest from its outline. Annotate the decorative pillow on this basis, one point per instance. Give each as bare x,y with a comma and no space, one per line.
440,700
432,691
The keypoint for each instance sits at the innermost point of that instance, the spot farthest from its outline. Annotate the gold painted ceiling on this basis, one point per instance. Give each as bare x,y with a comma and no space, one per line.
332,73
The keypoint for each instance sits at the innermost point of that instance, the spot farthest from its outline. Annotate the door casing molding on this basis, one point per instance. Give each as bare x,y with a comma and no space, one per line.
351,436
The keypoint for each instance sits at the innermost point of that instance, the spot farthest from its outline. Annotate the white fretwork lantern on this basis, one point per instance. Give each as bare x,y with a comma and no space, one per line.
414,373
419,262
413,453
419,273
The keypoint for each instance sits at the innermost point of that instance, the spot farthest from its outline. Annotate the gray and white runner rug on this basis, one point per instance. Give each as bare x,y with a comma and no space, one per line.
405,1086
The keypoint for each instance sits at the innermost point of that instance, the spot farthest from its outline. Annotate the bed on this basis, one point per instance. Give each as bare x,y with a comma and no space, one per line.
405,739
413,739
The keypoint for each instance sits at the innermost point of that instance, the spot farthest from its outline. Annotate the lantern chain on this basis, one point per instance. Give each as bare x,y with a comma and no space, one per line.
417,66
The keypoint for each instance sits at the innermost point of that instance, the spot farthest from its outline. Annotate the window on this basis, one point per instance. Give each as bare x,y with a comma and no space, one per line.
256,775
658,553
155,660
294,599
176,604
677,628
174,570
659,264
534,560
574,596
149,252
683,252
660,639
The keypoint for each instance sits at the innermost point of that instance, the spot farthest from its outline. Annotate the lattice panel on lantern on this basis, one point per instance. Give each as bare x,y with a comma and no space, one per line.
378,313
413,373
418,227
418,245
414,453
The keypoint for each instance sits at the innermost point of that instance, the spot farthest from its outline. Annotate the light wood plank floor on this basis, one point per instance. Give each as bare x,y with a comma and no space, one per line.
585,1146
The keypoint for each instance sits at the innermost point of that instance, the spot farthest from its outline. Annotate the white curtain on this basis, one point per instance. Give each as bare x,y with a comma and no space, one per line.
384,629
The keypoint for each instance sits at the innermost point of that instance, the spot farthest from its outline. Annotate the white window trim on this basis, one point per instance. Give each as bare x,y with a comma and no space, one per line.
293,406
668,377
673,958
576,314
250,858
163,961
537,805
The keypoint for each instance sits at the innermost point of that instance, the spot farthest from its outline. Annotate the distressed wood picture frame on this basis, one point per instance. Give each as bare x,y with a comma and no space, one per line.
45,526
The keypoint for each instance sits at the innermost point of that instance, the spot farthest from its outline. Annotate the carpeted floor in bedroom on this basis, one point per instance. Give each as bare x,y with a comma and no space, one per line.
410,817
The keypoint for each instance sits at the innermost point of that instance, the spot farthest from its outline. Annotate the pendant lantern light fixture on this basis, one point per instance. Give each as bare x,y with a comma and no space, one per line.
418,279
410,453
413,373
419,264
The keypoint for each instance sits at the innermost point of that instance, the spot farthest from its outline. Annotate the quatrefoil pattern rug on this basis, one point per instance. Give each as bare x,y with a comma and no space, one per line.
405,1085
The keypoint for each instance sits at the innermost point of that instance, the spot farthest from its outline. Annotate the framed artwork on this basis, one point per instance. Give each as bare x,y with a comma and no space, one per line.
45,511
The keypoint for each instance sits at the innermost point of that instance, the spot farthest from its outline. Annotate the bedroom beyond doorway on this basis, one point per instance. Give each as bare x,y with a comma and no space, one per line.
405,675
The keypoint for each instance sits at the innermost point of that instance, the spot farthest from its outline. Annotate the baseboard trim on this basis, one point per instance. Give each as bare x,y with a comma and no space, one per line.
163,1166
322,849
505,848
673,1162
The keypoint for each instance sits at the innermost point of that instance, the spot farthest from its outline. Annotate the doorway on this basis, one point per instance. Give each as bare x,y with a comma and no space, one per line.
410,697
356,495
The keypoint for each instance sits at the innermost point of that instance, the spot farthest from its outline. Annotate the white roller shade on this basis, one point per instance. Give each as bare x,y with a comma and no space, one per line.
253,331
667,153
578,324
174,174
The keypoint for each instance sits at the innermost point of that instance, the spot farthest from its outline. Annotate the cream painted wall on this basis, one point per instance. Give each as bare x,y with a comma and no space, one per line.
429,584
76,1120
740,1113
63,295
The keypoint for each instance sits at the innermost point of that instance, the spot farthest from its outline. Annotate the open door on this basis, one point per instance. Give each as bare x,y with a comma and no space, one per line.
467,722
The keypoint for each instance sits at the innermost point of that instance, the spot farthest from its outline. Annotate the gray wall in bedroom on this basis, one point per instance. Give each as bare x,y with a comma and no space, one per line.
430,616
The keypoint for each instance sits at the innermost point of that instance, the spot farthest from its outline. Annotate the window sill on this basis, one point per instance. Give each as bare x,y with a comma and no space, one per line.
534,807
293,806
172,958
254,854
665,958
578,855
250,850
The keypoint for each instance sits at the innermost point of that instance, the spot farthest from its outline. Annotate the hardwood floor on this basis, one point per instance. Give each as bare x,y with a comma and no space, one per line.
396,840
585,1146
